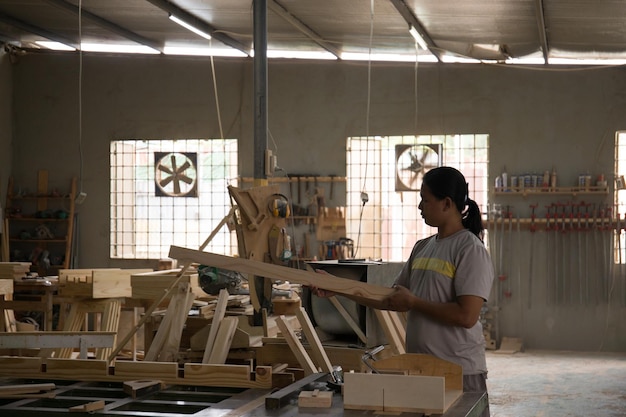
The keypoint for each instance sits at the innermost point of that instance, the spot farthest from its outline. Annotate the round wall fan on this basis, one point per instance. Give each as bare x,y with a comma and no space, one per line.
175,174
412,162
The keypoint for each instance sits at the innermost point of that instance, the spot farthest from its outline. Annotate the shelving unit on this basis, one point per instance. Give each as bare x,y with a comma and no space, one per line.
38,227
571,191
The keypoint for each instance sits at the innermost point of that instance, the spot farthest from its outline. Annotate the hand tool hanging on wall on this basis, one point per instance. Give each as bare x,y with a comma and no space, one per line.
587,228
609,236
507,291
579,230
549,248
533,229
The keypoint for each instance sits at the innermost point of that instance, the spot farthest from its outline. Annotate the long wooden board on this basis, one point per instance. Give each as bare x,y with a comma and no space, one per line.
248,266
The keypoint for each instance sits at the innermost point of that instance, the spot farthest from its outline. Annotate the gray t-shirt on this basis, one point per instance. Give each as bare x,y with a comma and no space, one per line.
440,270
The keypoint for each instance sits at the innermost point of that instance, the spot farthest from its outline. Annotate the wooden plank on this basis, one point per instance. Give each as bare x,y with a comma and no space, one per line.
296,346
248,266
165,345
348,318
282,397
26,388
318,352
146,370
152,285
114,283
223,340
218,315
393,339
226,375
18,364
76,368
6,286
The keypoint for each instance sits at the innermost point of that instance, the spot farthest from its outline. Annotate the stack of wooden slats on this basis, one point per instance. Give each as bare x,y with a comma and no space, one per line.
14,270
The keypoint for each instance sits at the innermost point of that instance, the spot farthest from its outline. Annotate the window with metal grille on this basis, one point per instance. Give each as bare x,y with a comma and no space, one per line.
387,170
170,192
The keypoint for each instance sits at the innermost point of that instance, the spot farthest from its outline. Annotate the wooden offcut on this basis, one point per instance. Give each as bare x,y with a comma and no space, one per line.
142,387
88,407
315,399
247,266
427,385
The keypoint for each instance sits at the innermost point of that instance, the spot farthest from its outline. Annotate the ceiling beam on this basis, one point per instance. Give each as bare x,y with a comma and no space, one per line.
302,27
27,27
412,20
541,23
108,25
200,24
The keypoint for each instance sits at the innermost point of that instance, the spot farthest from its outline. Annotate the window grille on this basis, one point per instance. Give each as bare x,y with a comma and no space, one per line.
389,223
170,192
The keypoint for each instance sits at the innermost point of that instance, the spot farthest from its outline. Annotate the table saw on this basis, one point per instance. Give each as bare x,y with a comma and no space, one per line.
175,401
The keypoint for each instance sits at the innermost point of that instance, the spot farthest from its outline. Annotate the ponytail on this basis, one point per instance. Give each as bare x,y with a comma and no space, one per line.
472,219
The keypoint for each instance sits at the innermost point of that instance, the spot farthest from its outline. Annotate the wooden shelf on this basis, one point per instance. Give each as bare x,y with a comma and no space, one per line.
573,191
296,178
50,250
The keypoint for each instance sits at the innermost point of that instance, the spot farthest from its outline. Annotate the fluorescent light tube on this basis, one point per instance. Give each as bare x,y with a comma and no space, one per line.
189,27
418,37
56,46
117,48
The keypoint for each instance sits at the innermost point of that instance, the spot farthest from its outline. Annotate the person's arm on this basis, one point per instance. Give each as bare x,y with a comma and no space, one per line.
463,312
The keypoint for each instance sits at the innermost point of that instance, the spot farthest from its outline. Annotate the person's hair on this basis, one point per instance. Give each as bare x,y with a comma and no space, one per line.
449,182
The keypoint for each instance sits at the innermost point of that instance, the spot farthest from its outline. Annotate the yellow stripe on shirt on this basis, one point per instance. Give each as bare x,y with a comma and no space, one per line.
445,268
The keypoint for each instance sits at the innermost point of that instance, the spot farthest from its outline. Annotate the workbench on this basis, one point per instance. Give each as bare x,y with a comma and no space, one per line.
174,401
34,295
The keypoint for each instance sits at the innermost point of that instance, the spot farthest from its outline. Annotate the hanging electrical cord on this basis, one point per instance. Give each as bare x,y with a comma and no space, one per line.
364,195
80,98
217,100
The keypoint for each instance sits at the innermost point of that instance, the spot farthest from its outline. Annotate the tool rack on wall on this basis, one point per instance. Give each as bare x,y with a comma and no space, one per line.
38,226
558,253
314,204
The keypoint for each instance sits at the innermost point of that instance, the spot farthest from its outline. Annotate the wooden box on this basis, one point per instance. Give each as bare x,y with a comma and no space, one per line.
97,283
152,285
415,383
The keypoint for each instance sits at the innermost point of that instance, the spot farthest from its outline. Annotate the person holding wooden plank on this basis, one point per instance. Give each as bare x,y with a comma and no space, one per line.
446,280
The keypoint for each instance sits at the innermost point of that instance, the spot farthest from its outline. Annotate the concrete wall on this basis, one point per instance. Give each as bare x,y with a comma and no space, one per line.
6,122
536,119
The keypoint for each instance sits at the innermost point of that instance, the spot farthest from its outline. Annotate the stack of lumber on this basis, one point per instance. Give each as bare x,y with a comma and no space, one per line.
14,270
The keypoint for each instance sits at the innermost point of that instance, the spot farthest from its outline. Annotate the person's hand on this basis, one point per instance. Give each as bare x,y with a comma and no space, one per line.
319,291
322,293
401,299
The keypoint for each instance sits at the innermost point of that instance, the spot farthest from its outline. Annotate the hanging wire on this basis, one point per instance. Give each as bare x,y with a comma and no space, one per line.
364,197
80,95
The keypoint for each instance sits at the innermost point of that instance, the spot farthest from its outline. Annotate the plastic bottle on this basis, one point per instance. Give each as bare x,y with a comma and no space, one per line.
545,183
504,175
553,181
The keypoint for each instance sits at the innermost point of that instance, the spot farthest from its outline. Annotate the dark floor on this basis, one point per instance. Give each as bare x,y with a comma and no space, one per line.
557,384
